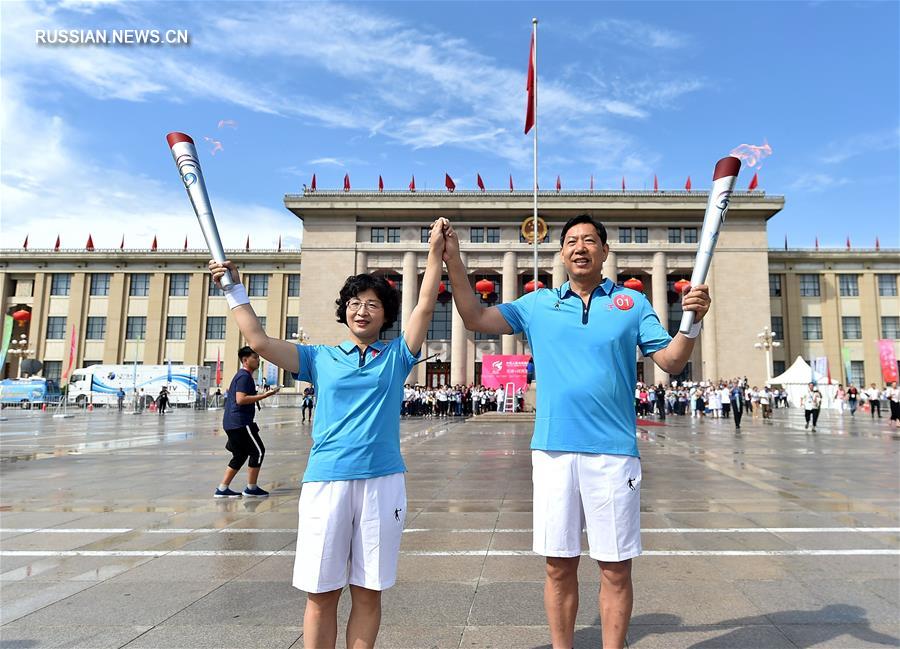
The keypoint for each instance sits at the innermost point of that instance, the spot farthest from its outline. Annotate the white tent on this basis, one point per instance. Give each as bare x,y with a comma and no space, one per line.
798,376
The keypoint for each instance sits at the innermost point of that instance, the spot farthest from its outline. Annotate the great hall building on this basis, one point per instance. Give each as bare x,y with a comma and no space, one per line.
154,307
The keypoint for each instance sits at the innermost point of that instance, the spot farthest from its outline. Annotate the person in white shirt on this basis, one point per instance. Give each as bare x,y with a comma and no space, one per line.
874,396
812,403
892,394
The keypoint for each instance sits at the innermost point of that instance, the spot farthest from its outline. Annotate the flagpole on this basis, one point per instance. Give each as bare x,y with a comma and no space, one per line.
534,221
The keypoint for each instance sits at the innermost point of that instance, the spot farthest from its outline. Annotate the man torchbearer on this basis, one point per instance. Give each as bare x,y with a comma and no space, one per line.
584,448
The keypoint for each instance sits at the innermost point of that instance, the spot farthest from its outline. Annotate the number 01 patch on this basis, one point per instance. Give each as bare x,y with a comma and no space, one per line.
623,302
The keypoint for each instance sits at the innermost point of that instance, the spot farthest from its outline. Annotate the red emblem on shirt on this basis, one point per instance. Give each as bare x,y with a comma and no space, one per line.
623,302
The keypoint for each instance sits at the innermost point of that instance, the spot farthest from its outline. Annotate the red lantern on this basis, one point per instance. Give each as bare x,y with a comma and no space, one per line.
529,285
392,283
442,287
680,285
22,316
634,284
485,287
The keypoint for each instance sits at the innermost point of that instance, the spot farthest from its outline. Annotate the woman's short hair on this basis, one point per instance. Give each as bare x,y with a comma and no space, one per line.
356,284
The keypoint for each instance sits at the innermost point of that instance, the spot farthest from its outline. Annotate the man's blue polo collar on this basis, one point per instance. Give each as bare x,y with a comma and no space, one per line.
606,286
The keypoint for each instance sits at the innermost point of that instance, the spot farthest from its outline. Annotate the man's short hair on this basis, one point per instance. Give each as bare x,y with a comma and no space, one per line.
244,352
356,284
583,218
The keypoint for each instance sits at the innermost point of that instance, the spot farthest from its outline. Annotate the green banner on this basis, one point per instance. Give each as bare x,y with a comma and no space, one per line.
7,336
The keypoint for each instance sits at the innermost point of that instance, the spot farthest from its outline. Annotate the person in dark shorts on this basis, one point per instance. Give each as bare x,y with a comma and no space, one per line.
309,402
244,441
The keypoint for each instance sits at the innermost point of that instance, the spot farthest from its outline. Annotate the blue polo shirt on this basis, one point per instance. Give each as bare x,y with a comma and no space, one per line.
236,416
584,359
356,430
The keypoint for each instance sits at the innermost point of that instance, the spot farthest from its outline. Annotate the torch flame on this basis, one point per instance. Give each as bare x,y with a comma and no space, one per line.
752,154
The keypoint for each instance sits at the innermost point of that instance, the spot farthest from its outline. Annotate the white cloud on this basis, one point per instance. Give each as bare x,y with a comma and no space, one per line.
861,144
639,34
814,182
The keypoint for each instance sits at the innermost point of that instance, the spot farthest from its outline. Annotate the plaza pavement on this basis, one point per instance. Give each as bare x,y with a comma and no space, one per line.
774,538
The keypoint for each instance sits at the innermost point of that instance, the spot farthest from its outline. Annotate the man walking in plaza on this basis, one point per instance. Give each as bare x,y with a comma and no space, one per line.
874,396
585,459
244,441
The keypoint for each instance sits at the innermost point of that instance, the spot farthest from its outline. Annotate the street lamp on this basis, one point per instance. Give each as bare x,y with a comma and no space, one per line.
300,336
19,347
767,341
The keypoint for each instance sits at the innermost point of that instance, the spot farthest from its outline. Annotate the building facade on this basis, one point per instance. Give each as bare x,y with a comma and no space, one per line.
154,307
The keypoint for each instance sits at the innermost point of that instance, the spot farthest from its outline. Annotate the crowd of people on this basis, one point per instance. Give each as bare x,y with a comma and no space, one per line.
457,400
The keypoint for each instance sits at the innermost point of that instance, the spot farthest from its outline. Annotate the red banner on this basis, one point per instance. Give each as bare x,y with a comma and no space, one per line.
71,354
499,369
888,360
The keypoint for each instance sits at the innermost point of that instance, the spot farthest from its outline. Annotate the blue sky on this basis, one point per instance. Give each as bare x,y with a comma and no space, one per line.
396,89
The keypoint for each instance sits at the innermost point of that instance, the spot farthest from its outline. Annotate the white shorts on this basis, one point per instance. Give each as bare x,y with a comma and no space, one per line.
599,493
349,532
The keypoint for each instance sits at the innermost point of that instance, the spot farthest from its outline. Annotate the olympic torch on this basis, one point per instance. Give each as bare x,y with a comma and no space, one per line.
724,177
188,164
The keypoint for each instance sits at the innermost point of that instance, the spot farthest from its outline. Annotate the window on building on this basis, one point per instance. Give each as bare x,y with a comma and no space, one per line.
214,289
393,235
56,327
376,235
849,285
424,234
52,370
100,283
812,328
890,326
287,380
674,235
778,368
89,363
774,285
394,330
690,235
215,327
641,235
809,285
179,284
139,285
95,328
777,327
136,327
257,285
624,235
857,372
851,328
176,327
476,235
262,321
60,283
492,235
293,285
439,329
887,285
291,327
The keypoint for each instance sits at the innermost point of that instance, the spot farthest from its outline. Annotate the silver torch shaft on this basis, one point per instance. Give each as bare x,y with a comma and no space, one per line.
724,177
185,155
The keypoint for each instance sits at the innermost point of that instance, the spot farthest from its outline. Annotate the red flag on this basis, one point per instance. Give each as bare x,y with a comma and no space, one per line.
817,242
479,181
592,183
247,244
56,247
218,367
511,183
848,242
346,182
25,245
877,244
380,183
412,183
558,184
279,243
89,246
71,354
754,182
530,87
122,244
185,242
448,183
687,185
623,183
312,186
153,245
655,183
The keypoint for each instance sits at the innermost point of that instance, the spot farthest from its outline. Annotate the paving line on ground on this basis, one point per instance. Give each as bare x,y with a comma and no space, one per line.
414,530
441,553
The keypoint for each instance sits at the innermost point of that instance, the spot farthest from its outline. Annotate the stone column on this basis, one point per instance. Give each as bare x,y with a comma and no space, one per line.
458,357
362,262
559,272
708,336
114,345
610,269
660,305
410,286
510,293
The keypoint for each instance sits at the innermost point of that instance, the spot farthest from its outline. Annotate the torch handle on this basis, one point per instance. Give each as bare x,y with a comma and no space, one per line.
724,177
